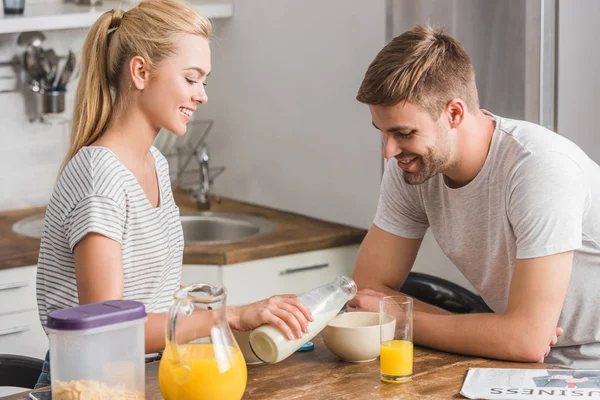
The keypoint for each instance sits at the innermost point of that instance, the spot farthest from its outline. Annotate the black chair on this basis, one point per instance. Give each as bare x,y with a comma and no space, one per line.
443,294
19,371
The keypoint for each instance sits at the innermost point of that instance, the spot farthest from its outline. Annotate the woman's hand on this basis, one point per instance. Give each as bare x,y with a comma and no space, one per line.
285,312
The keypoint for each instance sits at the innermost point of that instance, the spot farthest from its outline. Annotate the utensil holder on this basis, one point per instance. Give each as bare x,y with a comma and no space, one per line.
13,7
53,102
88,2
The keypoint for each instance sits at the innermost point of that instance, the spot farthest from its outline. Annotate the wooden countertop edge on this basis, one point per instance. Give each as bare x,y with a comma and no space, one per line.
292,235
272,250
16,262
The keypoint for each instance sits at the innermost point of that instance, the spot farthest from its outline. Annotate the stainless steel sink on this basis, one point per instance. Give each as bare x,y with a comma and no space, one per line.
31,226
220,228
204,228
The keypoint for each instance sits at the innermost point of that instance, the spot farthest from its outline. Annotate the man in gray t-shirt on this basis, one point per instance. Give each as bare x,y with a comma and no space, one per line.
515,206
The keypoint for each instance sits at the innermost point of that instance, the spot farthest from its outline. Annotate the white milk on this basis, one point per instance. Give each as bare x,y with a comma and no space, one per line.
271,346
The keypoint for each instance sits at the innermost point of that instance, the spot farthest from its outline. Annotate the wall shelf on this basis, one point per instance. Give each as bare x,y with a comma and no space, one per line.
60,15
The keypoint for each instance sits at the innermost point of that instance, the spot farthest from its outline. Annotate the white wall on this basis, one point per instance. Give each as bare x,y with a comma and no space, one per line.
282,94
492,31
30,153
288,128
578,80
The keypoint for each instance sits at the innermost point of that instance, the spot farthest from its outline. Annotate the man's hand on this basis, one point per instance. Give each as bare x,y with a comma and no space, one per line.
365,300
368,300
559,331
284,312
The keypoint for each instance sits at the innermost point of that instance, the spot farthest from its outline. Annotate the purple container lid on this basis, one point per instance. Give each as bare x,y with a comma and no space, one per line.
96,315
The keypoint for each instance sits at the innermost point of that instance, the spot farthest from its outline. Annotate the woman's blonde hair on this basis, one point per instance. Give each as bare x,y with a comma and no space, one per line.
423,66
149,30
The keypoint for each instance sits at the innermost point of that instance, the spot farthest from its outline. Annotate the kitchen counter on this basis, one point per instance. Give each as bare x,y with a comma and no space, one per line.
293,234
17,250
319,374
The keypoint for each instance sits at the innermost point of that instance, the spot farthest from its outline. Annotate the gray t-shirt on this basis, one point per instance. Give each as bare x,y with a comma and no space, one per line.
97,193
537,194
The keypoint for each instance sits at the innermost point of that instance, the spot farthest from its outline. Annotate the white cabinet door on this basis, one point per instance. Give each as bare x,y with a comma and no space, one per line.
17,289
291,274
21,332
192,273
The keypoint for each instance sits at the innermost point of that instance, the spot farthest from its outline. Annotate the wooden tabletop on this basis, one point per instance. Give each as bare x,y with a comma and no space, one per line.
319,374
293,234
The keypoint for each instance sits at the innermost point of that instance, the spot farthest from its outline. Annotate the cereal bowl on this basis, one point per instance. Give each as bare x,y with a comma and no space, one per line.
356,336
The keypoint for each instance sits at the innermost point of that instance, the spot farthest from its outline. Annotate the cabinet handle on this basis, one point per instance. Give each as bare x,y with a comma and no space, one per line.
13,330
289,271
13,285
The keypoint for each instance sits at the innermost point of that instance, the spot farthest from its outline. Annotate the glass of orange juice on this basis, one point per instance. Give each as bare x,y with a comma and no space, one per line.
396,351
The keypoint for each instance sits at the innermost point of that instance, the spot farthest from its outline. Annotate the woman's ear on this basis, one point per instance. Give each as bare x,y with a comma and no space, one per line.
139,72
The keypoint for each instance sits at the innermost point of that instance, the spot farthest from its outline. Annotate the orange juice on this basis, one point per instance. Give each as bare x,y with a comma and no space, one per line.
202,375
396,360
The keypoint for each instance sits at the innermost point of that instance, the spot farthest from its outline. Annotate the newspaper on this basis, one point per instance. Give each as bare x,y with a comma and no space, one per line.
500,383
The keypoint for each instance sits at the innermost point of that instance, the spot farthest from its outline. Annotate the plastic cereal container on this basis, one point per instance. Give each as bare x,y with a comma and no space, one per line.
97,351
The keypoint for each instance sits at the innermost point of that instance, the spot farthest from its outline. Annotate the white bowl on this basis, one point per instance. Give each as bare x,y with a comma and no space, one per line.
243,340
356,336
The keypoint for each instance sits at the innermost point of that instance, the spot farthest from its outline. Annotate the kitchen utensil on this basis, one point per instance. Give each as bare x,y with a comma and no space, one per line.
50,66
67,71
32,38
33,68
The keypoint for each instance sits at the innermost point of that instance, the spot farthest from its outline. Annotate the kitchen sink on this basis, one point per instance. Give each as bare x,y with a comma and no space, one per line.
202,228
220,228
30,227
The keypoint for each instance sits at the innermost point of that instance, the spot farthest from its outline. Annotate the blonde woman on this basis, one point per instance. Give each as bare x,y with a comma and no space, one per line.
112,228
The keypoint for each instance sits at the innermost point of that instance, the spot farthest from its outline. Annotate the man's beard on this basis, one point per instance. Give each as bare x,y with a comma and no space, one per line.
431,163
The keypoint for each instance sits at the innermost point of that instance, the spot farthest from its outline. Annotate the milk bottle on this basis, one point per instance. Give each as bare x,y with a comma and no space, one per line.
324,302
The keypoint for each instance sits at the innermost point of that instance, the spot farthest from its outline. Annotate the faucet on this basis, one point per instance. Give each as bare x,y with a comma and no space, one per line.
202,195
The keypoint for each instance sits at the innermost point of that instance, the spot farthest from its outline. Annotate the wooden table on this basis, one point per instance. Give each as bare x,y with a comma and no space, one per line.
318,374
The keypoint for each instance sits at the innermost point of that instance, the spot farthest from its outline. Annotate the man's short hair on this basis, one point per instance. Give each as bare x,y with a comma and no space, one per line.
423,66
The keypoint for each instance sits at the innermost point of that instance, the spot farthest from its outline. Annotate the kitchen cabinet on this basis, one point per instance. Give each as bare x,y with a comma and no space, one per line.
20,329
246,282
255,280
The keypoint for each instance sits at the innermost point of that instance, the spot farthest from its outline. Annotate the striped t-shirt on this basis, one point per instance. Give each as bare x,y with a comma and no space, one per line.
97,193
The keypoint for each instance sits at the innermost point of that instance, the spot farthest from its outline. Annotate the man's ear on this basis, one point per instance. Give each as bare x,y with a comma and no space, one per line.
456,112
139,72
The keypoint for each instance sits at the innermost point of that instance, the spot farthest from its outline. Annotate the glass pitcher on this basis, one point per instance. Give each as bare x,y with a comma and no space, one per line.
209,363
